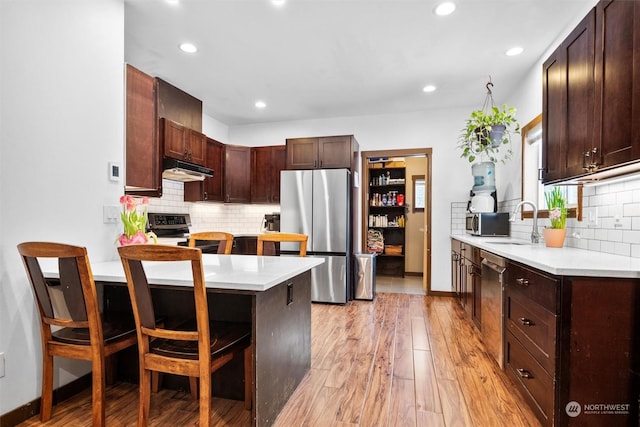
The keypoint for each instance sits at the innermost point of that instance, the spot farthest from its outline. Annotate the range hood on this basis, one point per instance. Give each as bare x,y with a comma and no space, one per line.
179,170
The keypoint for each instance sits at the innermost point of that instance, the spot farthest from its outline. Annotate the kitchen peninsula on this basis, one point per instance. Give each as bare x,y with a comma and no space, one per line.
272,293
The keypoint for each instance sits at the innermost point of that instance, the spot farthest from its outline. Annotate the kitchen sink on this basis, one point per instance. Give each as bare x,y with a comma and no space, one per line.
507,241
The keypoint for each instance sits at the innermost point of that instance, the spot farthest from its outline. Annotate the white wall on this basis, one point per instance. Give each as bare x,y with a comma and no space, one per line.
436,129
62,109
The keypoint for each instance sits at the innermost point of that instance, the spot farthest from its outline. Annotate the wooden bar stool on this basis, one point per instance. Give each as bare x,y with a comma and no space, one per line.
197,348
71,303
283,237
219,236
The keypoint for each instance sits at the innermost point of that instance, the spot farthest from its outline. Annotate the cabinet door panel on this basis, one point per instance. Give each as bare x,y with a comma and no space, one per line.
261,175
580,57
334,152
214,186
143,153
553,110
237,177
174,136
302,153
278,164
614,85
197,148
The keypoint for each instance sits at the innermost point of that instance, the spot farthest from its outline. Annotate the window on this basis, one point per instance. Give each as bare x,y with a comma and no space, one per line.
532,187
418,193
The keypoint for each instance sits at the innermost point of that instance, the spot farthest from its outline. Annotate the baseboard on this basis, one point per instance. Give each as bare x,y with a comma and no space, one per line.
441,294
32,408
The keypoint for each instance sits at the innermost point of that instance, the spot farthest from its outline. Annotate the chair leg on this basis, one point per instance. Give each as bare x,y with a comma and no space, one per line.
156,381
193,386
205,399
111,368
248,377
98,387
46,400
144,397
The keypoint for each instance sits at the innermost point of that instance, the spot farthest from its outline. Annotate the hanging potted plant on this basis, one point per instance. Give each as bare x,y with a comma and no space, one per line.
487,134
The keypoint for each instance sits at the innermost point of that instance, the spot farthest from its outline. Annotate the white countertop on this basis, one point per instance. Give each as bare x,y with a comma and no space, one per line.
559,261
236,272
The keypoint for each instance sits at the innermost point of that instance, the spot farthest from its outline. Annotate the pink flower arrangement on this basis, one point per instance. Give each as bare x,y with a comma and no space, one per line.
134,221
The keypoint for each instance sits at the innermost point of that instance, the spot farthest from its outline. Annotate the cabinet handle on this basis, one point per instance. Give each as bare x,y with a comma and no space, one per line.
524,373
526,322
585,155
206,196
320,163
540,174
522,282
593,165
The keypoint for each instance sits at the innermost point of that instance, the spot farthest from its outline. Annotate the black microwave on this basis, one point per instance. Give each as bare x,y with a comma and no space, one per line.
487,224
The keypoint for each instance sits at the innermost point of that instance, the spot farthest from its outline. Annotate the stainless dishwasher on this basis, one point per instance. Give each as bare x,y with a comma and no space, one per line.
493,268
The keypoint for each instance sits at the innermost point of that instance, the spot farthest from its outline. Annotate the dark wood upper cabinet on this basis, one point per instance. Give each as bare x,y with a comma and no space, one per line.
211,189
579,53
237,174
553,105
266,165
178,106
328,152
617,84
143,153
147,100
567,113
591,94
183,143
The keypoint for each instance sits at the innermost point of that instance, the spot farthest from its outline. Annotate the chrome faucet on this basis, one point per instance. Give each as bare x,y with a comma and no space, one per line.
535,236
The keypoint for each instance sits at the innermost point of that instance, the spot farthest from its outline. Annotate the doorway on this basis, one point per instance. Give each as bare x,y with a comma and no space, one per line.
368,174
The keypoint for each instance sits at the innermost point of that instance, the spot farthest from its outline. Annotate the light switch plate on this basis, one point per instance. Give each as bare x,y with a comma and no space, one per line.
110,214
1,364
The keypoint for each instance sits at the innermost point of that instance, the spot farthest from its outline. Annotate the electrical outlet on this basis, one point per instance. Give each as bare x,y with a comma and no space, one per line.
110,214
592,216
617,215
1,365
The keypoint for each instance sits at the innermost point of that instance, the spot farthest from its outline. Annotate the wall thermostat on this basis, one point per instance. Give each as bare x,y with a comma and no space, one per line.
114,171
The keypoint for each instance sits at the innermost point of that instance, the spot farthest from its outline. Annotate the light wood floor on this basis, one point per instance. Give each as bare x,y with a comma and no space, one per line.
401,360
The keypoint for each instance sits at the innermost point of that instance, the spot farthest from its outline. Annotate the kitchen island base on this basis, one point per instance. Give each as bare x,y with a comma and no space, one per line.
281,337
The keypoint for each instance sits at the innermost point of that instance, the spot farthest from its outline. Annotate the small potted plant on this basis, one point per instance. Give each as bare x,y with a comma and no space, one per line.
486,132
555,234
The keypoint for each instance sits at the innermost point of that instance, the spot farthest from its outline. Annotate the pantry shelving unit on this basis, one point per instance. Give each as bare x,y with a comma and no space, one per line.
386,215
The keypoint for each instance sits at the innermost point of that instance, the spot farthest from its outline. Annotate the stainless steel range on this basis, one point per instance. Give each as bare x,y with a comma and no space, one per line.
171,228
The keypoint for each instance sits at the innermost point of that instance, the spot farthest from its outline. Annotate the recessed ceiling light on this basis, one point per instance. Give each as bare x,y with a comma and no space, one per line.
260,104
444,9
517,50
429,88
173,2
278,3
188,47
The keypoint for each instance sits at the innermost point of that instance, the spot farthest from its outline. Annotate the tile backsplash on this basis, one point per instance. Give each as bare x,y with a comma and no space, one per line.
232,218
610,223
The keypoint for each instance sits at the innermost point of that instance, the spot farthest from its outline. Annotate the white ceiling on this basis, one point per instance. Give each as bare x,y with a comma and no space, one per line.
334,58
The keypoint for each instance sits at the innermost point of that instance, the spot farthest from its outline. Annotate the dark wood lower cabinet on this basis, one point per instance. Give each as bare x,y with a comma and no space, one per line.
280,319
572,346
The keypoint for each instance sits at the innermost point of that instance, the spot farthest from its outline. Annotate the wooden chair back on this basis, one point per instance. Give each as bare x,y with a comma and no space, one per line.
283,237
225,240
195,348
71,304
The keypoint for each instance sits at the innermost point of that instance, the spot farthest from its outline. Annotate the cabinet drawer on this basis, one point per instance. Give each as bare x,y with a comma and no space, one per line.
534,327
531,379
534,285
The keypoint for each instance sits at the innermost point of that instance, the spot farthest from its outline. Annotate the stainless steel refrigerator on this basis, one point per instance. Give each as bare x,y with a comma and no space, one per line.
318,203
